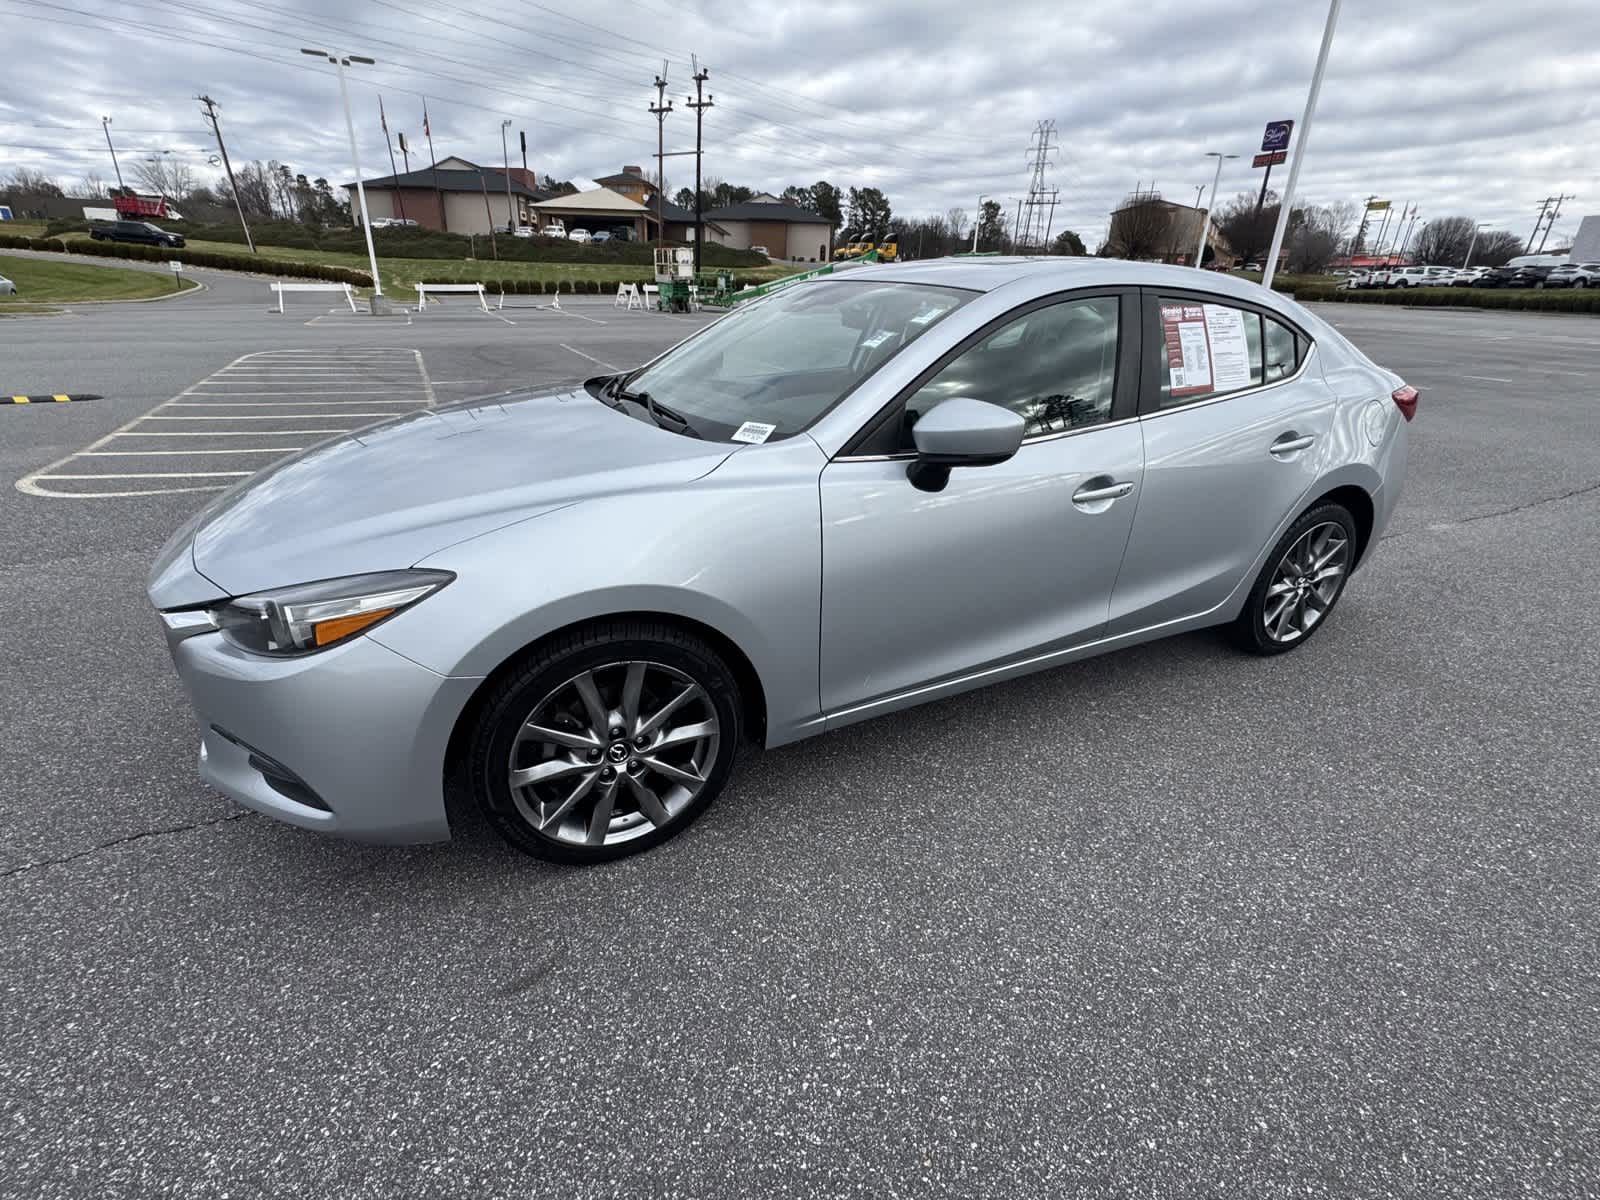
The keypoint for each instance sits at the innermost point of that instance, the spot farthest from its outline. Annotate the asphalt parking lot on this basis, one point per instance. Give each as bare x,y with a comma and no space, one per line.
1169,922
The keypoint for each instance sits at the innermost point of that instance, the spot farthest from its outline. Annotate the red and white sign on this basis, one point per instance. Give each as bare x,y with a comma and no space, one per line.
1270,160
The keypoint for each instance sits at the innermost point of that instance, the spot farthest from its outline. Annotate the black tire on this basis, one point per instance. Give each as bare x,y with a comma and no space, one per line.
598,647
1249,630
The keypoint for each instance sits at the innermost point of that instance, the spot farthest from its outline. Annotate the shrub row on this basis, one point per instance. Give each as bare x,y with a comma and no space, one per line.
546,287
394,242
194,258
1540,300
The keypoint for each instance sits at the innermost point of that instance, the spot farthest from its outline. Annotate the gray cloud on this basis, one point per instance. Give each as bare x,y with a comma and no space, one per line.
1462,106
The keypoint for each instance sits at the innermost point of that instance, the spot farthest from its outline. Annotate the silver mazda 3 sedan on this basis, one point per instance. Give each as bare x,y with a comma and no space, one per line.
852,496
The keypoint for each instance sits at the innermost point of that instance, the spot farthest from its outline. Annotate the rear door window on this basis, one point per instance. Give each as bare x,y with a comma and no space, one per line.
1205,349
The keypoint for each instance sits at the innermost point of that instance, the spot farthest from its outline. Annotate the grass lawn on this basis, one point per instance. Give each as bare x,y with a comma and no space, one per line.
400,274
42,280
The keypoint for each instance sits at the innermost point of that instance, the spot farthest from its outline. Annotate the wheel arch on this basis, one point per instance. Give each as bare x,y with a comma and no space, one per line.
1357,501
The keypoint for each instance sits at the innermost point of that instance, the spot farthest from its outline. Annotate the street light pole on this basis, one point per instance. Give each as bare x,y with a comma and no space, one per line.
340,62
1205,221
105,123
512,220
1287,203
978,223
1473,243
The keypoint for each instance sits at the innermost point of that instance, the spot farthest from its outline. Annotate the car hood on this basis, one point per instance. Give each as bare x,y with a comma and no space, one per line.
395,493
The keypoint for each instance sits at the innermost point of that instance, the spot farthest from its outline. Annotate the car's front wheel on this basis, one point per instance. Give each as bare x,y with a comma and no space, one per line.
606,741
1300,582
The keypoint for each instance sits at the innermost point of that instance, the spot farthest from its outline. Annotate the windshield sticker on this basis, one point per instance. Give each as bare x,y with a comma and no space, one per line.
754,432
922,318
1183,329
877,339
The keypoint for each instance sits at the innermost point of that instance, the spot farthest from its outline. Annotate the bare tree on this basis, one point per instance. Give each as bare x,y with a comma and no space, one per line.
33,182
165,176
1139,228
92,186
956,220
255,189
1495,248
1249,232
1444,241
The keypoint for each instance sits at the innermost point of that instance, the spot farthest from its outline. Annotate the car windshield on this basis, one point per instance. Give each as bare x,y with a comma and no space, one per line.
790,357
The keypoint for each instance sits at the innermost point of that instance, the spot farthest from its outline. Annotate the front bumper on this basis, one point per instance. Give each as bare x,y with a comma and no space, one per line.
350,741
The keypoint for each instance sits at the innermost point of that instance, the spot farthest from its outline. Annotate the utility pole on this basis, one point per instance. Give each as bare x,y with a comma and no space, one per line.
660,109
1286,205
216,127
399,196
488,215
512,220
1551,223
105,123
340,62
1538,221
522,135
1473,243
699,104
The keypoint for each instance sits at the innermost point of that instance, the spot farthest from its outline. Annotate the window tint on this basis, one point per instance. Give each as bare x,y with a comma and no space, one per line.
1207,350
1056,365
1280,349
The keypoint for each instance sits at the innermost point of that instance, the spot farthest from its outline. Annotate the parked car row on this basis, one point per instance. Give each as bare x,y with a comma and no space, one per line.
1518,273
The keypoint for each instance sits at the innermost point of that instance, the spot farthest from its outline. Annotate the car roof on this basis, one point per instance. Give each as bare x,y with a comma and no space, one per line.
985,274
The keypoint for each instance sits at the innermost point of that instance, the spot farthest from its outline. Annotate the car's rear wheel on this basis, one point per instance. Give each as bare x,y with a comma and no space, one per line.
1300,582
606,741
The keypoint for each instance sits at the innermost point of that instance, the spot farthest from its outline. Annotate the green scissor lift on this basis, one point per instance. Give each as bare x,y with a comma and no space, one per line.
718,289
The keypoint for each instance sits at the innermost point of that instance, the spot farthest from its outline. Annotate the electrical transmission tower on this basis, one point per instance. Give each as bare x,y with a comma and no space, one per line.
1038,208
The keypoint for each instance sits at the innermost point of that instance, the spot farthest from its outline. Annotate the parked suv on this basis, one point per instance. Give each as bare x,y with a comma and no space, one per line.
1574,275
1403,277
141,232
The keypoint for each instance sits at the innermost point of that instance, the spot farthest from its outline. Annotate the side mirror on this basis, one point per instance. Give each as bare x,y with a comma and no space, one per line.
962,432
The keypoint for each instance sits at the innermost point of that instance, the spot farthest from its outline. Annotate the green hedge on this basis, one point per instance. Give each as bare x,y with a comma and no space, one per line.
1530,299
193,258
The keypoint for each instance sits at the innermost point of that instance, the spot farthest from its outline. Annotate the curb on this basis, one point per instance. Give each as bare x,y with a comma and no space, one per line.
56,398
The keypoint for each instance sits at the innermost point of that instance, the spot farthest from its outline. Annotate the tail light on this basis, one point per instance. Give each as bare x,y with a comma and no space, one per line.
1405,399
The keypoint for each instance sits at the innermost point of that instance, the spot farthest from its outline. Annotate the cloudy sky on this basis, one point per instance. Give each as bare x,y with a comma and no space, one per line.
1478,107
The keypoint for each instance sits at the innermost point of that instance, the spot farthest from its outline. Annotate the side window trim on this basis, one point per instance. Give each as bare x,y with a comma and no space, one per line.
1155,345
1125,399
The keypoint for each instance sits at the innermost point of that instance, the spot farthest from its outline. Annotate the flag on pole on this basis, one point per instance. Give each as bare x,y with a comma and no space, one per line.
425,131
404,149
382,120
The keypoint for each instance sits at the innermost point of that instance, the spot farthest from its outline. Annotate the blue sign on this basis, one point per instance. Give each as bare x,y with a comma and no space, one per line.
1277,136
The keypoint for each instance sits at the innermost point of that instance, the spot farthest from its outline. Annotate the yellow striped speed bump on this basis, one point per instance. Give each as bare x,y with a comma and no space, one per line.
57,398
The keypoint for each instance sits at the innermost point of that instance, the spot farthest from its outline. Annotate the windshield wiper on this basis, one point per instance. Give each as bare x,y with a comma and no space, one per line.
659,413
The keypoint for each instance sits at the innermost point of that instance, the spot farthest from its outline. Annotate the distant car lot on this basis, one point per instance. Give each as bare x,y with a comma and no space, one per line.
1110,903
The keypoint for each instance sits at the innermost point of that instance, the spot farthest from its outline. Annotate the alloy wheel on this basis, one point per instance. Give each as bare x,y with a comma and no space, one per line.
614,753
1306,582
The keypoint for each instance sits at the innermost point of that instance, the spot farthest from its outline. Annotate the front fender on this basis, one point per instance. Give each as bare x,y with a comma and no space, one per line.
739,550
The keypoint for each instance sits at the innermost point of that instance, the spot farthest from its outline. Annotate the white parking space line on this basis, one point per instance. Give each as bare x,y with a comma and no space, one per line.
265,404
1487,378
602,362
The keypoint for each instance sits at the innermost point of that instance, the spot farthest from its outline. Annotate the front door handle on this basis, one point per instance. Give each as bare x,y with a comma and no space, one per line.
1291,443
1089,495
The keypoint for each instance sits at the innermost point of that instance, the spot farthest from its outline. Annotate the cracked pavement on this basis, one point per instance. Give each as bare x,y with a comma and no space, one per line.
1169,922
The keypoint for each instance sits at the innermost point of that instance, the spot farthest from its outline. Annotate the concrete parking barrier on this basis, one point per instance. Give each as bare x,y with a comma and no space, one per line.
53,398
281,288
475,289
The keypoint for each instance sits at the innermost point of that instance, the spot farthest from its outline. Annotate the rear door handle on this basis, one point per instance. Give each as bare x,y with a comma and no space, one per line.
1289,443
1088,495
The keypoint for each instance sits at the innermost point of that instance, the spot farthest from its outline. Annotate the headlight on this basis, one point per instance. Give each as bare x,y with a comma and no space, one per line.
314,616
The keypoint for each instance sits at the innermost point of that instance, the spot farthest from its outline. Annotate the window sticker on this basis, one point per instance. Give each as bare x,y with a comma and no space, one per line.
754,432
877,339
1230,352
1183,329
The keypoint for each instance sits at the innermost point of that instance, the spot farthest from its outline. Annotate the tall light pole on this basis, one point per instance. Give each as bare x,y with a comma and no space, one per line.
105,123
1474,242
1199,190
1287,203
1205,221
340,62
978,224
512,220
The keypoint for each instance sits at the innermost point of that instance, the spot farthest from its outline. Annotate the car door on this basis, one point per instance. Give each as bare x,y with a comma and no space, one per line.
1006,561
1237,421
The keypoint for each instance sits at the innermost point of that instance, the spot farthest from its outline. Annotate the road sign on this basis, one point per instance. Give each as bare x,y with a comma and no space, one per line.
175,266
1270,160
1276,137
1377,205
